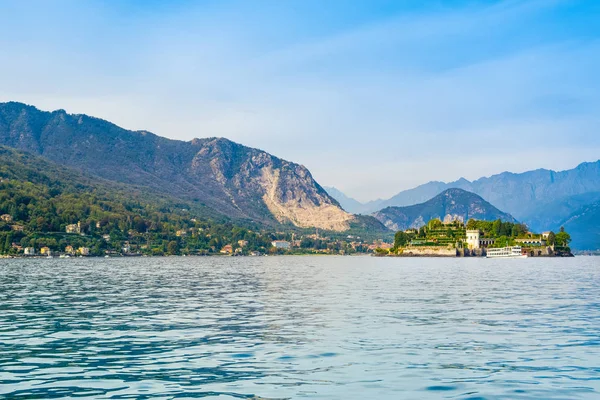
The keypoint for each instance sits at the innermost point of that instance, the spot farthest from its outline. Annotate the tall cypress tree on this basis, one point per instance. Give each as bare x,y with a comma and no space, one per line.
7,244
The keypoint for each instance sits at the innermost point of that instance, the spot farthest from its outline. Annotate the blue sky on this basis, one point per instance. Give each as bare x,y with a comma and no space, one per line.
372,96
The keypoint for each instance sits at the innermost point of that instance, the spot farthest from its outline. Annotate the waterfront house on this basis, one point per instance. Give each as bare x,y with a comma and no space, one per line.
227,249
84,251
73,228
281,244
45,251
29,251
70,250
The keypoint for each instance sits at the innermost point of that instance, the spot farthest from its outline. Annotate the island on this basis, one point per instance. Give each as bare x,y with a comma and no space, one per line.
476,239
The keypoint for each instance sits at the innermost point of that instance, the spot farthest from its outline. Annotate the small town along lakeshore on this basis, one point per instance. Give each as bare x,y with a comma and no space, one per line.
137,237
449,238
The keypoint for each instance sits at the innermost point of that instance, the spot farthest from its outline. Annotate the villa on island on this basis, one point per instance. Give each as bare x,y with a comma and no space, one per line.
531,242
475,241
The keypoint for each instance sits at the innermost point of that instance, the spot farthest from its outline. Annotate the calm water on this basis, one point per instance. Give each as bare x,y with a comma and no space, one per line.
300,327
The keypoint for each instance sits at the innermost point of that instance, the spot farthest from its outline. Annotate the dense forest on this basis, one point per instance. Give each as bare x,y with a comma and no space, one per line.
38,199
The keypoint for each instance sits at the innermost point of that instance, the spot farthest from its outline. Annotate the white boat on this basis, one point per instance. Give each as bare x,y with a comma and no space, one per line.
506,252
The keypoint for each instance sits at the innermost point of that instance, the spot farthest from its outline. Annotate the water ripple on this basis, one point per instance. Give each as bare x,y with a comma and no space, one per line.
300,327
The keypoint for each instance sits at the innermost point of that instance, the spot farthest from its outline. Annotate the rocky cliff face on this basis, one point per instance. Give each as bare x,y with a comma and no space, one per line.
288,191
236,181
450,205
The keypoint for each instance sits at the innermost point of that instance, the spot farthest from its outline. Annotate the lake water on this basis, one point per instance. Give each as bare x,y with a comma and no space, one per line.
300,327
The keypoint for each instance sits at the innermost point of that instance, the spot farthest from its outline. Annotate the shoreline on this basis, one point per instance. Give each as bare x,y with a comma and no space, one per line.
284,255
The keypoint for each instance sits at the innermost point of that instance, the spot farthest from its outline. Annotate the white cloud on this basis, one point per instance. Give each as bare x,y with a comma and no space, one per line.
370,108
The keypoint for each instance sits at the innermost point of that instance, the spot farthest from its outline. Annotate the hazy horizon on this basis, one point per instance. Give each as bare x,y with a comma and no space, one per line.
373,97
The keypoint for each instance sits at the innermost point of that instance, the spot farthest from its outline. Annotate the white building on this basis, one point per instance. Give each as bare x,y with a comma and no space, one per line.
475,241
281,244
473,237
29,251
531,242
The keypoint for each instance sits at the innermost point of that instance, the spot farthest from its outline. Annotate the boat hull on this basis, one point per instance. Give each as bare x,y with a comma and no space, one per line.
506,252
510,256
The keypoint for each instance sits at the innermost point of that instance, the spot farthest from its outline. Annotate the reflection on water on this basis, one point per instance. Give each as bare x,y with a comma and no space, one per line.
300,327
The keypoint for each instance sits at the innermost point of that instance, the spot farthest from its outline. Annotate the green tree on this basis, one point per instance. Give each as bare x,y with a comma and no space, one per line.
435,223
472,224
519,230
400,239
551,239
381,251
8,243
172,247
503,241
563,239
496,228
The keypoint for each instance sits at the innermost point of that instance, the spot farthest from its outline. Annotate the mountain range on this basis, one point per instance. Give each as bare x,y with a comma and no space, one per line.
543,199
452,204
582,225
231,179
519,194
224,179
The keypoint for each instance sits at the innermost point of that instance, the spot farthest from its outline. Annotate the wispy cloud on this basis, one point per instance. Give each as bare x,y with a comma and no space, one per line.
372,102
